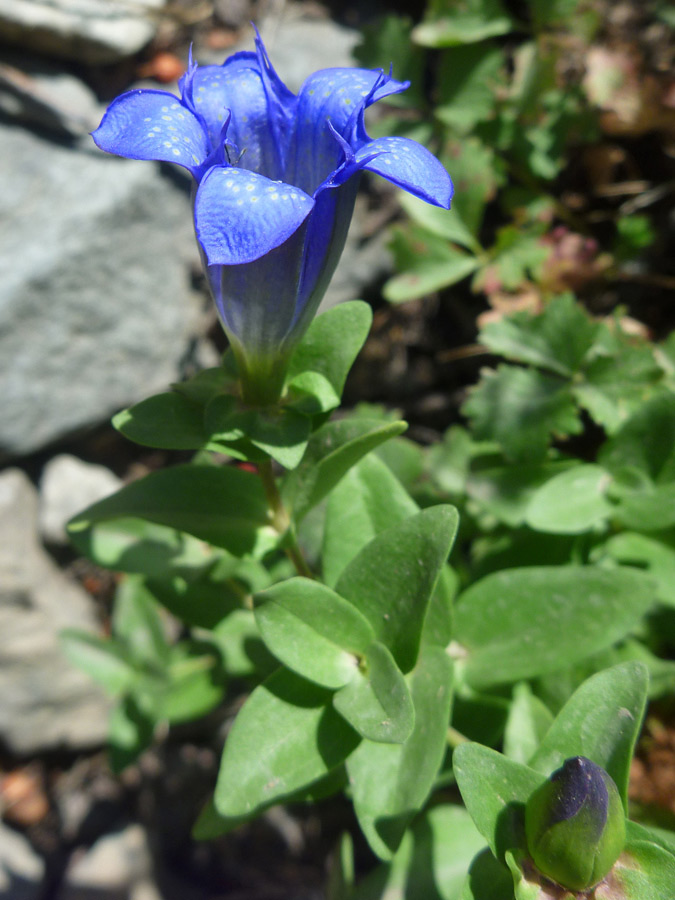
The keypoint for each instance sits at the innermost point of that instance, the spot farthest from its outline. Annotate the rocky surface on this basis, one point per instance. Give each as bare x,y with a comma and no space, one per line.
46,702
117,867
21,869
96,307
68,485
91,31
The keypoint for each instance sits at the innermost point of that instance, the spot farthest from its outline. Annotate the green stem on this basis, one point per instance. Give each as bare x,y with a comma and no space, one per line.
454,738
281,520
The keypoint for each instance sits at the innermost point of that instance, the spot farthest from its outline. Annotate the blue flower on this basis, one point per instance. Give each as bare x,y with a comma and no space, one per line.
276,185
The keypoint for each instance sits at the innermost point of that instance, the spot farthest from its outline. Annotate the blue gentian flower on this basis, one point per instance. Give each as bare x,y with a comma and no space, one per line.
275,187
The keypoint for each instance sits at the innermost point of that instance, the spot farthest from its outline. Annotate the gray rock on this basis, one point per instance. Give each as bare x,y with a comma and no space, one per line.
46,702
96,307
90,31
33,91
21,869
68,485
117,867
297,46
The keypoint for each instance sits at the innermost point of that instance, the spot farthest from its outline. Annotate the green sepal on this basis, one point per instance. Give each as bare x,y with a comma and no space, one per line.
575,825
330,346
279,432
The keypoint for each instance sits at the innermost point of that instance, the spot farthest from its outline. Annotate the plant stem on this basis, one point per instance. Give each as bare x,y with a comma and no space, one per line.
281,520
454,738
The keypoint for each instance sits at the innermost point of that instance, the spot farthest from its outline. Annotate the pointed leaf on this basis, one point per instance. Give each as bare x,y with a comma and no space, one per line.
392,579
103,660
313,630
368,500
376,701
560,614
600,721
286,736
222,505
331,452
572,502
168,421
332,343
391,782
495,790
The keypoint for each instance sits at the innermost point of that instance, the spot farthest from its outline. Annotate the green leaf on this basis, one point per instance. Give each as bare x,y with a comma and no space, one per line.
449,23
368,500
169,421
444,223
313,631
469,79
529,720
313,393
557,339
507,491
208,383
332,343
222,505
572,502
392,579
201,601
281,433
238,639
616,386
432,861
657,557
648,510
516,258
645,871
600,721
331,453
286,736
560,614
103,660
391,782
521,409
130,732
137,625
376,701
477,173
495,790
135,546
196,682
646,441
427,272
488,879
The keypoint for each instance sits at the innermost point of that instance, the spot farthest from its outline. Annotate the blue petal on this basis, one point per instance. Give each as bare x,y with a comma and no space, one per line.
262,109
409,165
337,96
240,215
153,125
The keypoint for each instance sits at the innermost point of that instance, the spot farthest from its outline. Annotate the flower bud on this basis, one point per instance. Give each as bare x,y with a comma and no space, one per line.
575,825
